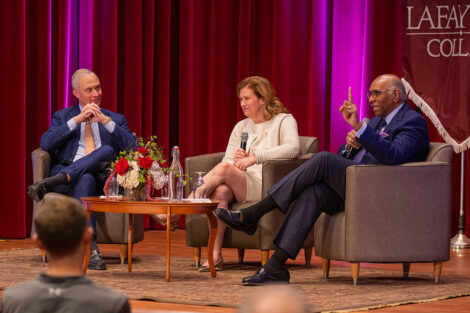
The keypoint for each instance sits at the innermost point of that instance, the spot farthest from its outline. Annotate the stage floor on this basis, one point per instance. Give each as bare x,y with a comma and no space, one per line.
154,243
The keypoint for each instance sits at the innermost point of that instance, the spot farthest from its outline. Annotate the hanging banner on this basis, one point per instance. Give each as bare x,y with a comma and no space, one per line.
436,65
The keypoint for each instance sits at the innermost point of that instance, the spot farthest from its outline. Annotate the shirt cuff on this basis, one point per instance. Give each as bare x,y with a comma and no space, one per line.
110,126
71,124
361,130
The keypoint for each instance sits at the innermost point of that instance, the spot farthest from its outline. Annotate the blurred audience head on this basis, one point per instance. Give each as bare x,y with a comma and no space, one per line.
263,89
275,299
60,224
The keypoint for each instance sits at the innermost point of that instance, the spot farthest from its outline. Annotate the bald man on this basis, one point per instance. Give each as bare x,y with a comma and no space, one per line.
397,134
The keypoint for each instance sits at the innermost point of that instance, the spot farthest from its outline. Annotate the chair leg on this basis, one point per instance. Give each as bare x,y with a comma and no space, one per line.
437,266
241,255
308,256
123,252
264,256
197,256
406,269
44,255
355,266
325,263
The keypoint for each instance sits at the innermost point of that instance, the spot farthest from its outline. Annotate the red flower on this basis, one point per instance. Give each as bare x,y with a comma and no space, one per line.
143,151
145,162
121,166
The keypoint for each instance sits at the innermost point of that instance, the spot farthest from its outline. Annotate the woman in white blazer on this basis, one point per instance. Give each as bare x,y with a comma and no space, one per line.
272,134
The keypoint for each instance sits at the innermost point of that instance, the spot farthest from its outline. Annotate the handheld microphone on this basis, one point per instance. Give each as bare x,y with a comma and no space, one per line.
244,137
349,149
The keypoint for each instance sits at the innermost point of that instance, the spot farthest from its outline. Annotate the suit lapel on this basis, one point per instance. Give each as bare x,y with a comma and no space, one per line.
373,123
395,122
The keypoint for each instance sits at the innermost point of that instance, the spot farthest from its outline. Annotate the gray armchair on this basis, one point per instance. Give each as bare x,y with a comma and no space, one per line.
110,227
197,233
393,214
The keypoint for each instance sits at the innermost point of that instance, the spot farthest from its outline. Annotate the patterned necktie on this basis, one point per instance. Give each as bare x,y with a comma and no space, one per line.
382,126
89,139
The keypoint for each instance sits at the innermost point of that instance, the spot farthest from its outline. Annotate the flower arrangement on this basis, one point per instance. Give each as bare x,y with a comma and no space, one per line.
139,168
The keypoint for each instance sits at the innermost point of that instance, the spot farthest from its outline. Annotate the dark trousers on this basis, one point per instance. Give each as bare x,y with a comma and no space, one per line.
88,176
316,186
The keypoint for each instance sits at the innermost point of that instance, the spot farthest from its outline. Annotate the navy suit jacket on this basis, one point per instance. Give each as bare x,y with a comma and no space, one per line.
406,139
62,143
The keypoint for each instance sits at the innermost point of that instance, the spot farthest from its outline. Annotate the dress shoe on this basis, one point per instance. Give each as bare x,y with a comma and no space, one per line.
96,261
161,221
264,278
37,190
218,267
232,219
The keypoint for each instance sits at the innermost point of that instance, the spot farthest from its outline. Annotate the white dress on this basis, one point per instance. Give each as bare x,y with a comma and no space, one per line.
277,138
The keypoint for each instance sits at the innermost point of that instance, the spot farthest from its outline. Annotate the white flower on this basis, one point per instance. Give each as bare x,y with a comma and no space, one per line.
131,178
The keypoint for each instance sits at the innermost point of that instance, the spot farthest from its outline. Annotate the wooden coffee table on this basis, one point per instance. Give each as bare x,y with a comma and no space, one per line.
156,206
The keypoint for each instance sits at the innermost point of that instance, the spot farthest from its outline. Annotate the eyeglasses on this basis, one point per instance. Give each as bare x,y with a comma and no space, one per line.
376,92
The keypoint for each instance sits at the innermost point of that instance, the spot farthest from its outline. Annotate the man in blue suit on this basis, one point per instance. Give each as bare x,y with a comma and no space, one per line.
397,134
82,140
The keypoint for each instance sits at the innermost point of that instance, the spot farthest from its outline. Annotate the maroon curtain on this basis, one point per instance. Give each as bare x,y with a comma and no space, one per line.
172,67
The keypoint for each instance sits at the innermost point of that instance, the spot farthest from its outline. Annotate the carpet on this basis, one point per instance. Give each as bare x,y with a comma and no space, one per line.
376,288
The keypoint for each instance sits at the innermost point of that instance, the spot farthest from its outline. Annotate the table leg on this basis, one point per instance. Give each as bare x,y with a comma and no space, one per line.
168,225
87,251
210,246
129,243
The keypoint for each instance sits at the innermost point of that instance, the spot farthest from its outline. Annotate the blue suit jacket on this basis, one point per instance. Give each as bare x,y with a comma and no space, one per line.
62,143
407,139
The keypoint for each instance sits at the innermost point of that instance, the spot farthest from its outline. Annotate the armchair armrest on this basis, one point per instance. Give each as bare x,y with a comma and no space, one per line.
203,162
275,170
41,161
397,202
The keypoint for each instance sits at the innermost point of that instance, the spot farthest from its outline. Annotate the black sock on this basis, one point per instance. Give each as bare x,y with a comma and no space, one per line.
277,261
252,214
56,180
93,245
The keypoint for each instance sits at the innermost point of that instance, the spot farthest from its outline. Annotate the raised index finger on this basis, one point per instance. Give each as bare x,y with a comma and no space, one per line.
350,95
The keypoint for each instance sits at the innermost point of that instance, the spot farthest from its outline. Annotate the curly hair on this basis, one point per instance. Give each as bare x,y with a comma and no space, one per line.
264,90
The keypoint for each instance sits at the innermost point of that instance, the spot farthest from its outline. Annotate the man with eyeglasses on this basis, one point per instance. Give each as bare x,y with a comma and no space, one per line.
397,134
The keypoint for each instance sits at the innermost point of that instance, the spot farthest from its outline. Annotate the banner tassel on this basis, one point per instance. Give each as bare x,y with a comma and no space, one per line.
426,108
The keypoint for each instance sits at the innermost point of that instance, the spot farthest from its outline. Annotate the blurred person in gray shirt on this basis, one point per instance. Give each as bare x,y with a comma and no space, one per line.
62,230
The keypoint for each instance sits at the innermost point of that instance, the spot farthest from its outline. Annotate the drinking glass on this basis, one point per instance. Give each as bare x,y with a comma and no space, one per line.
164,191
198,183
114,187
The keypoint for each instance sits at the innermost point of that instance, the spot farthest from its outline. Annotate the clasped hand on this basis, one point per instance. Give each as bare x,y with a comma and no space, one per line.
242,160
92,113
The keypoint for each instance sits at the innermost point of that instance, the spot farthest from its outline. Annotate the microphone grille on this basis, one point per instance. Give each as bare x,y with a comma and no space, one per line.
365,120
244,136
